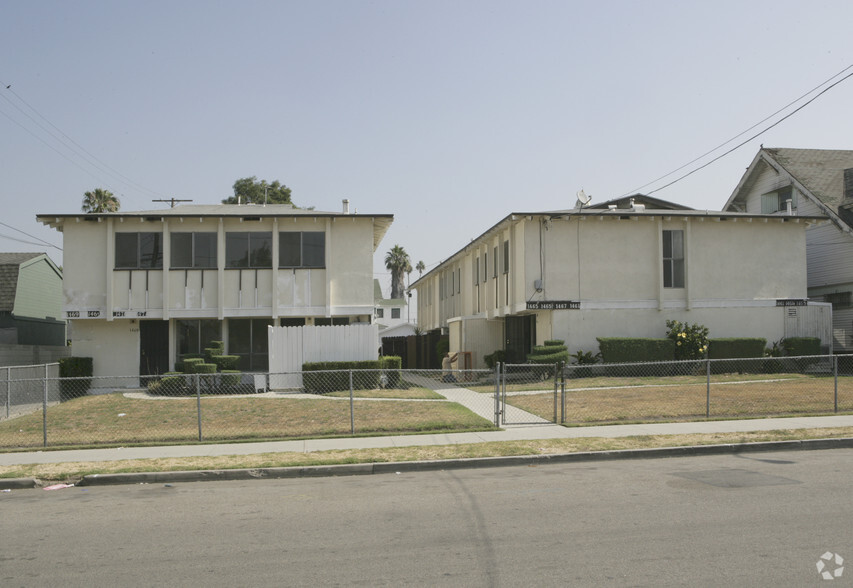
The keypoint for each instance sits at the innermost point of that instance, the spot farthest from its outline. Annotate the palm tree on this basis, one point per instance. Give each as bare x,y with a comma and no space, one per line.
100,200
420,267
397,261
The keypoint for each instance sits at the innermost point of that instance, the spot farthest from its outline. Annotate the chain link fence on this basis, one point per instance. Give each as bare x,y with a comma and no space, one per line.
191,408
43,410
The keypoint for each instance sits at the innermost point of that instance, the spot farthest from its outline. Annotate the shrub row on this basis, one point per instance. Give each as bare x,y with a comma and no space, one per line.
627,350
320,377
80,368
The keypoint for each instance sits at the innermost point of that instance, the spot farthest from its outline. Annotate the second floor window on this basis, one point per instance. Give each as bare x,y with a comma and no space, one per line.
248,250
139,251
673,259
193,250
302,249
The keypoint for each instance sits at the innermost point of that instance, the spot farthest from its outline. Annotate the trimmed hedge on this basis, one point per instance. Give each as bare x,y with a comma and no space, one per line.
735,348
190,363
225,363
631,350
320,377
78,368
801,345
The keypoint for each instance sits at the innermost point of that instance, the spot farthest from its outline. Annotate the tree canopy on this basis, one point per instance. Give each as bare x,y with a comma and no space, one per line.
251,191
397,261
100,200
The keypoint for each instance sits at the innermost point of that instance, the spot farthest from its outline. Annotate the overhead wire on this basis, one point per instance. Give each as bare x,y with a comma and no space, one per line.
721,145
69,144
42,241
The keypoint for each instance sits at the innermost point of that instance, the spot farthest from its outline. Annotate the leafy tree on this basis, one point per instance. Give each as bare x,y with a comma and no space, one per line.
397,261
251,191
420,267
100,200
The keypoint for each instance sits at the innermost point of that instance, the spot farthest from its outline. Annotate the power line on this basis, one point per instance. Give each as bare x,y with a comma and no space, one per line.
636,190
70,144
739,145
43,242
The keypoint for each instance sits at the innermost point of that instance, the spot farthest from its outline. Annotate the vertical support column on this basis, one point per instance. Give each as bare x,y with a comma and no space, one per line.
497,394
8,391
220,269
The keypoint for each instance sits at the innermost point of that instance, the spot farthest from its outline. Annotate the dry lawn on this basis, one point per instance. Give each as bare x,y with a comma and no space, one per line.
115,419
747,396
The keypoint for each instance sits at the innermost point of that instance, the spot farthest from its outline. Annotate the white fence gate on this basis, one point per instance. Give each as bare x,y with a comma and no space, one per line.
290,347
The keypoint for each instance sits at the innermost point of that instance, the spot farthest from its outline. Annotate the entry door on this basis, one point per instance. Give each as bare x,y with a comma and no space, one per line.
520,335
153,347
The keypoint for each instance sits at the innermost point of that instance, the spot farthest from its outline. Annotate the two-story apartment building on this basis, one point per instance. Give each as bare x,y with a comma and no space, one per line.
144,288
807,182
617,270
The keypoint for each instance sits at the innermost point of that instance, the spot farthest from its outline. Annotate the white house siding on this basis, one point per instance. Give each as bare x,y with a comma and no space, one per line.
105,303
613,267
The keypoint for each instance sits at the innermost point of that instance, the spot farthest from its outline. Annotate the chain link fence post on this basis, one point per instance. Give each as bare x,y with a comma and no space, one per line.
563,395
8,392
835,377
198,401
351,406
497,394
503,394
708,387
44,408
556,367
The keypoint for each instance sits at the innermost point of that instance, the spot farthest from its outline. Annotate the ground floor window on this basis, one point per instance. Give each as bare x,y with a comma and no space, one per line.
247,339
331,322
194,335
292,322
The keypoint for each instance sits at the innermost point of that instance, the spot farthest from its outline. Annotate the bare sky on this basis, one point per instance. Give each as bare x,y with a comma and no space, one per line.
447,114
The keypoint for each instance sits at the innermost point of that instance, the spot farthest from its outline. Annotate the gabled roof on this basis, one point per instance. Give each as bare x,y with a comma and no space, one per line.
381,222
647,201
10,264
819,172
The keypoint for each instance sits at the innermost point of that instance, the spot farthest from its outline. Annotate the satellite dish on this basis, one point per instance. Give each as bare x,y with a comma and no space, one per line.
583,197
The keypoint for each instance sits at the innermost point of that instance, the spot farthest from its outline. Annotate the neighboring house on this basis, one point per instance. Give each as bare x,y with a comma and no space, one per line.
807,182
145,288
389,312
619,269
30,300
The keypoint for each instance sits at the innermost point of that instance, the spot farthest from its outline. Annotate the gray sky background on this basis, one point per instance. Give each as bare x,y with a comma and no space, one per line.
447,114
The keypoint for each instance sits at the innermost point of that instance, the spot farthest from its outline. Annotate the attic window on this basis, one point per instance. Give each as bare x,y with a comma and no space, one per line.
776,201
251,218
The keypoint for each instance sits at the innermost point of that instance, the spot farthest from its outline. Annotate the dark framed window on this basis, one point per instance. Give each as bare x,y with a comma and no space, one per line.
495,262
139,250
334,321
247,339
476,271
506,257
195,335
302,249
193,250
778,200
292,321
395,313
673,259
248,250
380,313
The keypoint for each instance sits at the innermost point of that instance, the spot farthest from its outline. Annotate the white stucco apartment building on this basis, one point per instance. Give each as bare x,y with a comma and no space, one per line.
619,269
144,288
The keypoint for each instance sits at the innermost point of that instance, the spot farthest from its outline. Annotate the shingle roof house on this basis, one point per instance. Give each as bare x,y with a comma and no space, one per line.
810,182
30,300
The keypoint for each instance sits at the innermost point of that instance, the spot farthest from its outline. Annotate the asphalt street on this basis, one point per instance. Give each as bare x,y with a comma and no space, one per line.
756,519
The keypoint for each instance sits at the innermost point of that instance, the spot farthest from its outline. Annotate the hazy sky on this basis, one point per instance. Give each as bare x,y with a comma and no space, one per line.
447,114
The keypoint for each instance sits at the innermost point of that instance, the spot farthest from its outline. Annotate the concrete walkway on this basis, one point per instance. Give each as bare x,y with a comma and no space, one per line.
510,433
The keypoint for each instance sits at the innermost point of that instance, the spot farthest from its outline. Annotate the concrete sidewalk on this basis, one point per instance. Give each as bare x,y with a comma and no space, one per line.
509,433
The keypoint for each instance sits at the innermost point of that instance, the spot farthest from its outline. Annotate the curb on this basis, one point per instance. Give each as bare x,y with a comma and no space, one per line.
436,465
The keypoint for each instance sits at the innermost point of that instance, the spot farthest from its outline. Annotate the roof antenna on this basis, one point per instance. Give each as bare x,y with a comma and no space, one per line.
172,201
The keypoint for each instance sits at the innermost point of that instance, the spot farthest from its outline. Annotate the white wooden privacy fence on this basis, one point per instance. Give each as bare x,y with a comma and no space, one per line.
290,347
